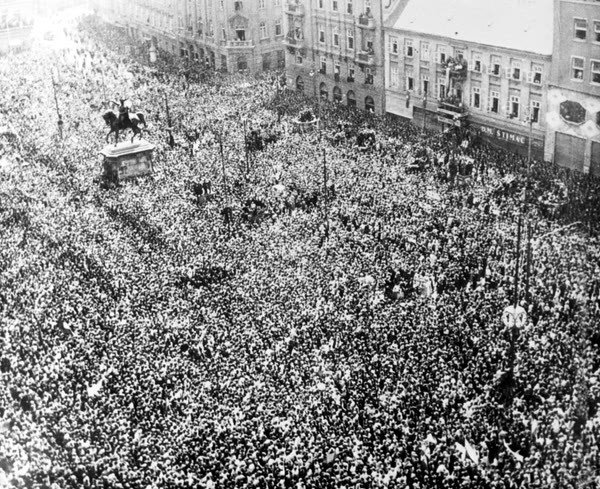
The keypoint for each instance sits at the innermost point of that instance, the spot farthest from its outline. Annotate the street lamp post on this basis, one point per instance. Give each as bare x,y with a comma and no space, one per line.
222,152
246,154
424,111
528,258
325,194
60,121
103,85
514,316
170,139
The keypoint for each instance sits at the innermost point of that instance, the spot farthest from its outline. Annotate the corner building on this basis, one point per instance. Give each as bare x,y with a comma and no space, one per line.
334,50
227,35
472,63
573,129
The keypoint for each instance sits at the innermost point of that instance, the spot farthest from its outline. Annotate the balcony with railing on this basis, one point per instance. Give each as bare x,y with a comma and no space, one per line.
365,58
293,41
365,21
293,8
237,44
452,106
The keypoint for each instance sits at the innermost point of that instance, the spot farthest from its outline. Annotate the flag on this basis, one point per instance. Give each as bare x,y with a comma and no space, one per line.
471,452
94,389
517,456
461,449
430,439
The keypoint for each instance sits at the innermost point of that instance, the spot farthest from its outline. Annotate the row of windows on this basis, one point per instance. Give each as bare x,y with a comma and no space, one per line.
324,69
350,44
239,5
14,20
240,31
476,64
347,5
581,30
512,109
578,70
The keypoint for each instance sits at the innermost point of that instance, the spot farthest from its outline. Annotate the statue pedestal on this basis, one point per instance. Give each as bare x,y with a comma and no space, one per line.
127,160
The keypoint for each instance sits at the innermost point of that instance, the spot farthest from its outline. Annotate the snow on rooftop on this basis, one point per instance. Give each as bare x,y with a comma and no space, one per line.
525,25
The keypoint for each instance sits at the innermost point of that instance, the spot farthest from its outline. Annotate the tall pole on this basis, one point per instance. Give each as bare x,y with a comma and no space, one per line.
517,261
103,84
60,121
512,354
325,194
170,140
246,148
528,258
223,158
529,143
277,100
424,110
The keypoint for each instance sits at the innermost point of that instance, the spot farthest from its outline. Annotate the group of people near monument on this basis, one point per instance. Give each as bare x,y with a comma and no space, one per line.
309,313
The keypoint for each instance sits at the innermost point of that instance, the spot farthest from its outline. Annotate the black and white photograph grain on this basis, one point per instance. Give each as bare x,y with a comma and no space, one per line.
299,244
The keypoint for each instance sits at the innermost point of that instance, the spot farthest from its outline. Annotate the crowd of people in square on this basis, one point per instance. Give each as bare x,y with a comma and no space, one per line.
315,312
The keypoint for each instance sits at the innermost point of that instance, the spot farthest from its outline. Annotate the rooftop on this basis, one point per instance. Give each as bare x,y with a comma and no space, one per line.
524,25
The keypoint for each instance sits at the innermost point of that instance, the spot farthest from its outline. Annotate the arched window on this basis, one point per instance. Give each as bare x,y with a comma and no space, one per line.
369,104
351,99
323,91
337,94
300,84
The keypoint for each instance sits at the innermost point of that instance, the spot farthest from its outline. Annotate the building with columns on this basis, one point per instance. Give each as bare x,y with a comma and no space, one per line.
228,35
573,129
334,50
471,63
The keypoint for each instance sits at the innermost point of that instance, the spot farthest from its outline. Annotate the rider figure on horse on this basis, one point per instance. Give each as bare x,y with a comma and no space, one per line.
123,111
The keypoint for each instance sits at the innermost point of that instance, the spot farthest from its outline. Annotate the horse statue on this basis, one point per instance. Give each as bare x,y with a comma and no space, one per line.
125,120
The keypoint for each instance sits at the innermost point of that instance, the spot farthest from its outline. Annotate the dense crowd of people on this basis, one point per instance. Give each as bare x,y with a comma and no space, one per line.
308,313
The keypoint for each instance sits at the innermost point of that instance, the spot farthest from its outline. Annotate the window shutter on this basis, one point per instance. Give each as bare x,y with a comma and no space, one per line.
530,77
507,108
483,68
489,103
507,73
470,65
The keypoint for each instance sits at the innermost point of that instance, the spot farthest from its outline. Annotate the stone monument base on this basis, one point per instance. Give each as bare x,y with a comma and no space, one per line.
127,160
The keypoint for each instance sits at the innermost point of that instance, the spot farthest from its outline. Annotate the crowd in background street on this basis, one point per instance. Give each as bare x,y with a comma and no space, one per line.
312,314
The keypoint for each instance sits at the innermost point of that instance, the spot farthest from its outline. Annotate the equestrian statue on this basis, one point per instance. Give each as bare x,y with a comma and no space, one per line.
126,119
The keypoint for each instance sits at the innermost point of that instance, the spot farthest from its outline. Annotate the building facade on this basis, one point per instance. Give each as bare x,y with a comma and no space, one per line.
334,50
16,23
573,130
477,67
227,35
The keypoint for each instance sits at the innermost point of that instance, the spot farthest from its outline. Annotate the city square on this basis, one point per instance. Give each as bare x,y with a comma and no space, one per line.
216,275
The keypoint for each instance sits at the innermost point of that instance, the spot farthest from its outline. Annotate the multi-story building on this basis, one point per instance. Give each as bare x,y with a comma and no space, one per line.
16,23
227,35
475,63
573,129
334,50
